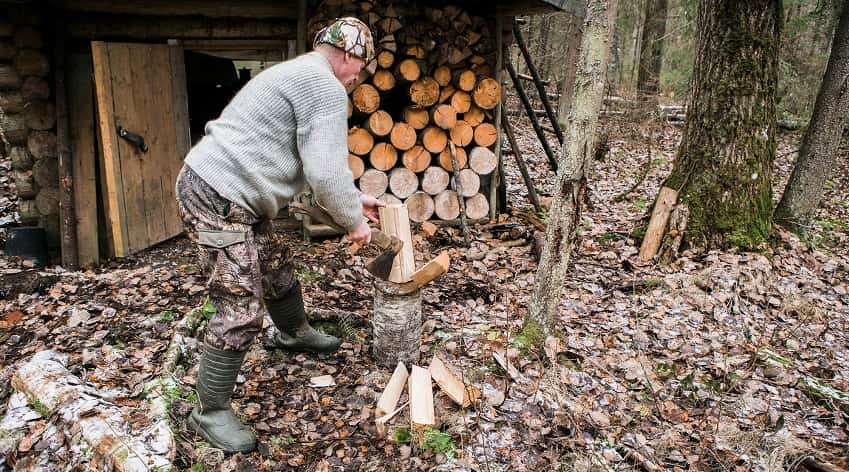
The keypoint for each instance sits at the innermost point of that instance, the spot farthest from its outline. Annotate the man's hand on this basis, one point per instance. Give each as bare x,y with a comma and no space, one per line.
361,234
370,206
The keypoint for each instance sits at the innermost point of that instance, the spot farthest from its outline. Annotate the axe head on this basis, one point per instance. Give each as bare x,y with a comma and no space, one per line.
381,265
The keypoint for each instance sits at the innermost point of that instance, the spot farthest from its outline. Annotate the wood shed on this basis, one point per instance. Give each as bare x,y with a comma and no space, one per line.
100,100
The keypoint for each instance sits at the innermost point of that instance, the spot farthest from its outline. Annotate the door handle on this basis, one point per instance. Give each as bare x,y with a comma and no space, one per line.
134,138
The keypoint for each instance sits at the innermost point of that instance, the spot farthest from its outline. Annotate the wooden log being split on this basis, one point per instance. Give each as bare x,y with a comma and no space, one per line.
395,221
420,206
421,403
374,182
435,180
657,224
433,269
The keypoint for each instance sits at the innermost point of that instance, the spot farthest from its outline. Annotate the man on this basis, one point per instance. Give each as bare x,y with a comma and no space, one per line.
287,127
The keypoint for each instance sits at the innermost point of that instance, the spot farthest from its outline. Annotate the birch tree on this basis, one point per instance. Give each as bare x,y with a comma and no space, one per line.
565,213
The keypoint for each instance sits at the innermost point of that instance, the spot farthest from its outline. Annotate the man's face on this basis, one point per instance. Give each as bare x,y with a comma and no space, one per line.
351,67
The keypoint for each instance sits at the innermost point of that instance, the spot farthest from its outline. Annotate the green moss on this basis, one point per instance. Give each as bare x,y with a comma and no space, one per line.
40,408
532,334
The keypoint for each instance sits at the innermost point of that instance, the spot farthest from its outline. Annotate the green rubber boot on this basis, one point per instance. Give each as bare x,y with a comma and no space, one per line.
213,419
295,333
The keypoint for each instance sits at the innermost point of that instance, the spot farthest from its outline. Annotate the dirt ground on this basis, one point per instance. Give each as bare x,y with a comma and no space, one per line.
719,361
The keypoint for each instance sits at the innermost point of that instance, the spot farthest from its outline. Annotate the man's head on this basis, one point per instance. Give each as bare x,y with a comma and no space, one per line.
348,46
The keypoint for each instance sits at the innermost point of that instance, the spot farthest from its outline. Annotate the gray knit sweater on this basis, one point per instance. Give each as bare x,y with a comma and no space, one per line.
286,127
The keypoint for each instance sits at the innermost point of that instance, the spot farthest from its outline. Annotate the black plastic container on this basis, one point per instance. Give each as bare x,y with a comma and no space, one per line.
28,242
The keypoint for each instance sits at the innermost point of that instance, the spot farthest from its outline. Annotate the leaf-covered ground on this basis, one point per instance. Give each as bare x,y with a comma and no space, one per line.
720,361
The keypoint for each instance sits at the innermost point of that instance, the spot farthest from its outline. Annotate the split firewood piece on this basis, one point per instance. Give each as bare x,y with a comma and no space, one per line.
433,269
383,156
422,415
389,25
416,51
428,228
360,141
445,158
366,99
435,180
356,165
385,59
474,116
446,205
485,134
487,93
389,398
403,182
466,80
417,159
462,394
461,101
403,136
442,75
424,92
458,55
387,43
395,221
657,224
380,422
444,116
383,80
470,182
380,123
417,117
374,182
477,206
408,71
482,160
462,133
420,206
434,139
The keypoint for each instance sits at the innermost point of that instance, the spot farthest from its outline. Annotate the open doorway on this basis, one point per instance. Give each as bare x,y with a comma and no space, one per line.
213,77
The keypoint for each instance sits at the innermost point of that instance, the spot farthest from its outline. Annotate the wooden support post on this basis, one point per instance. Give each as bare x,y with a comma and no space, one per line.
459,188
395,221
301,47
421,403
529,109
657,224
67,217
520,162
498,184
543,95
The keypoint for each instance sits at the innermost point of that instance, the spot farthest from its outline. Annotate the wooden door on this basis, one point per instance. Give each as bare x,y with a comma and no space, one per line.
140,88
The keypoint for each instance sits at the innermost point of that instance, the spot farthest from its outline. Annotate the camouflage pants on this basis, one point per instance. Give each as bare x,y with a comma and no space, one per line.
244,261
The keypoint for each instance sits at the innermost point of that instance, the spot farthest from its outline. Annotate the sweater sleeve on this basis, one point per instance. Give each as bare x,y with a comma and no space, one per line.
322,120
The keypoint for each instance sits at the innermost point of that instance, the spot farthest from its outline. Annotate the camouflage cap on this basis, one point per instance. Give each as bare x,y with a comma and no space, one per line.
350,35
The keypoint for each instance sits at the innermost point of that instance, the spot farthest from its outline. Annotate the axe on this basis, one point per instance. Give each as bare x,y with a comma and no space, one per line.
381,265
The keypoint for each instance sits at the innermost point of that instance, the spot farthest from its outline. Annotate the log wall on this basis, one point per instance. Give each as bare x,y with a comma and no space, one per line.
28,116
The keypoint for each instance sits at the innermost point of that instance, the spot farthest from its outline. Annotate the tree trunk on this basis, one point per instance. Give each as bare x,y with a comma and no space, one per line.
572,39
818,156
651,50
577,154
724,163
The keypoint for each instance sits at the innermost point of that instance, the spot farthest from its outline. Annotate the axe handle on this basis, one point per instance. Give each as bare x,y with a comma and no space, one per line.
378,237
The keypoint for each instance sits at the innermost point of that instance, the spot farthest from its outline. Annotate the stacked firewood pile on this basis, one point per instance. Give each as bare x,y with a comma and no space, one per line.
429,102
